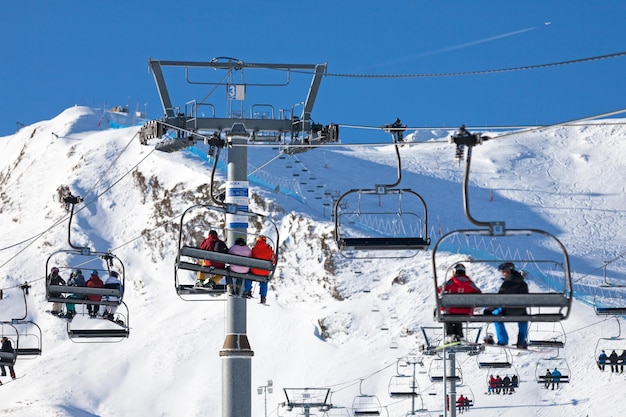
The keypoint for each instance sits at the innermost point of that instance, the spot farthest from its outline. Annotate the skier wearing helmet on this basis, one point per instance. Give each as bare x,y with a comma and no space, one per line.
55,279
513,283
458,283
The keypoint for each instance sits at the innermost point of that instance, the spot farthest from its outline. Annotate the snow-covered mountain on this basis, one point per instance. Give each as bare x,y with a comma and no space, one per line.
332,321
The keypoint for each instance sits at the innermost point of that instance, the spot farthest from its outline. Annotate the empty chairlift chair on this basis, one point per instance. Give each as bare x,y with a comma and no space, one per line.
384,221
30,339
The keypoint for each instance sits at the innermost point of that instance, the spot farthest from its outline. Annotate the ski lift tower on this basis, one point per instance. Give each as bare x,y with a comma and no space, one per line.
307,398
239,127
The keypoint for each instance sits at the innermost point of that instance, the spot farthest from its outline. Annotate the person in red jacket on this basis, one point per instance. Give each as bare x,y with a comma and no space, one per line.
260,250
214,243
459,283
94,282
492,386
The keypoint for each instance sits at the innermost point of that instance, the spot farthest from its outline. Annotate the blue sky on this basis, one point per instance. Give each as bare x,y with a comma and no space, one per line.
57,54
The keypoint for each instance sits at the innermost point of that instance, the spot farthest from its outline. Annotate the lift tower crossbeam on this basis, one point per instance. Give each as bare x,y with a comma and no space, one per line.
195,121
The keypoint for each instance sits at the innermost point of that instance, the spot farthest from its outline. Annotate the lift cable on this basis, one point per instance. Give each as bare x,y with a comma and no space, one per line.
480,72
33,239
523,130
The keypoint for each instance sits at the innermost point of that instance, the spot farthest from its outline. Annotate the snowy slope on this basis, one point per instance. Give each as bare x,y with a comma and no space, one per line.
320,329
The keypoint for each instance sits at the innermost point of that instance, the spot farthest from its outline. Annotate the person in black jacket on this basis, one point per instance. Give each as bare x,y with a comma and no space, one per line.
7,348
613,360
55,279
513,284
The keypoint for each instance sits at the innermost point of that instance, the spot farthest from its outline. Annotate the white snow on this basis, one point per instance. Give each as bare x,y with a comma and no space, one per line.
568,180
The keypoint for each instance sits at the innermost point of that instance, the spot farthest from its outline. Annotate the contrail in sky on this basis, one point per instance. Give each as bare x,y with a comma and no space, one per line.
463,45
452,48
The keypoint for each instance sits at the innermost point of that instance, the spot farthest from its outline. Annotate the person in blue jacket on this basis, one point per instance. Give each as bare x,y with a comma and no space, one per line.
513,283
602,358
556,378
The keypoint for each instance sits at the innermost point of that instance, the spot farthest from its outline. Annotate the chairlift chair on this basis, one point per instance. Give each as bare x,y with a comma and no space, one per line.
493,357
29,336
337,411
364,404
9,331
84,329
493,243
29,343
608,344
609,301
382,219
467,393
86,260
403,386
510,372
436,371
550,335
552,363
195,224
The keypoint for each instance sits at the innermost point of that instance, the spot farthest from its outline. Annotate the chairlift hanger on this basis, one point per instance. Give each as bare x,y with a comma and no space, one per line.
548,306
511,371
610,343
615,309
82,258
551,363
365,405
29,343
517,129
539,335
189,253
403,386
397,241
29,336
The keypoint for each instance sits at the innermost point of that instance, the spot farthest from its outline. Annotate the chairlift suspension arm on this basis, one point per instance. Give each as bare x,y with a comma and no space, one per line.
466,205
213,170
24,288
399,178
72,200
462,139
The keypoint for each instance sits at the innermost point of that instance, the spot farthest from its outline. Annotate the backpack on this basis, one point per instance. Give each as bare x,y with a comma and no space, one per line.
220,246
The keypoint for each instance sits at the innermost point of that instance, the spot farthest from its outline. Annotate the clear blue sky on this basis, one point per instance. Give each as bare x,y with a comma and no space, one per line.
57,54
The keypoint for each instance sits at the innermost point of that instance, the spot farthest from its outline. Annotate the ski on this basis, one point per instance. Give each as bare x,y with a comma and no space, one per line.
441,347
529,349
11,380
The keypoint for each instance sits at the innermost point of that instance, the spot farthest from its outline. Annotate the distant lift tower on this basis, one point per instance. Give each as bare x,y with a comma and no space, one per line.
307,399
239,128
